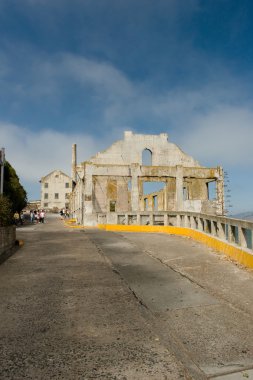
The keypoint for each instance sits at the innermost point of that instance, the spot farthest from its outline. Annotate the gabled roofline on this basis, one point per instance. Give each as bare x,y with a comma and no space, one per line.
56,170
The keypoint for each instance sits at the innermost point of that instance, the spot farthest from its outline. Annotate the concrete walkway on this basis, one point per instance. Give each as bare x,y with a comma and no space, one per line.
65,314
201,303
89,304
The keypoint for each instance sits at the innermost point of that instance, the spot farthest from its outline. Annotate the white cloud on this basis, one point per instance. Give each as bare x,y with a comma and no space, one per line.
35,154
101,75
223,136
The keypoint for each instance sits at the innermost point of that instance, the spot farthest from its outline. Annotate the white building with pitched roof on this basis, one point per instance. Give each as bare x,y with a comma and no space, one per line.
55,190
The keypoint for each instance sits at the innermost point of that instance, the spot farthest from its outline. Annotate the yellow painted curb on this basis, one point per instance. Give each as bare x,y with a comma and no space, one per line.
238,254
66,225
70,226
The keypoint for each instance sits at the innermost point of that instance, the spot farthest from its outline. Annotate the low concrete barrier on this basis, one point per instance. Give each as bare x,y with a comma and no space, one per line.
232,237
7,239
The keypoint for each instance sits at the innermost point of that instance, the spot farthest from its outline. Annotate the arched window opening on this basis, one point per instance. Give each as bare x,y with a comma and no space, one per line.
147,157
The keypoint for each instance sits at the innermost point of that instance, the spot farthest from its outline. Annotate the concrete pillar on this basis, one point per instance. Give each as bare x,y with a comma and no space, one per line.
231,237
186,221
178,221
88,191
220,192
213,229
200,224
166,219
193,223
242,239
73,166
221,233
165,199
138,219
151,219
135,171
179,188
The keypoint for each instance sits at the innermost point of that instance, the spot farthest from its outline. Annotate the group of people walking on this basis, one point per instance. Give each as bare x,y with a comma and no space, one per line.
64,213
37,216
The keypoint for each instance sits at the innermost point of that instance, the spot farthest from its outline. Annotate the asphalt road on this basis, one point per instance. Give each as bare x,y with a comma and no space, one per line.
89,304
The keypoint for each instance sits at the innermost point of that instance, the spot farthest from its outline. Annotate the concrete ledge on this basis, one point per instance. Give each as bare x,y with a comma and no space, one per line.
11,251
7,242
242,256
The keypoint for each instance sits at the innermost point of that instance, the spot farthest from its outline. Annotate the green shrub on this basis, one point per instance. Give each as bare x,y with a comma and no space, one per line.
13,189
6,217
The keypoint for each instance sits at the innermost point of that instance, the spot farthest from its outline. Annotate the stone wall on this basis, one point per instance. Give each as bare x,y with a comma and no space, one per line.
7,238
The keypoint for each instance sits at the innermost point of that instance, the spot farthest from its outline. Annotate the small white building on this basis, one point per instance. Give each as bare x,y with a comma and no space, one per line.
56,188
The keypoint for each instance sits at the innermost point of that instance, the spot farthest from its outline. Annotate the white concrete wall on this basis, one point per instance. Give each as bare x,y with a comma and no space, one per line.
129,150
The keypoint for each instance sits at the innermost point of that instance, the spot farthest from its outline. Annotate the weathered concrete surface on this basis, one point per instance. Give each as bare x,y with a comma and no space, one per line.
65,314
7,241
202,303
113,180
91,304
7,238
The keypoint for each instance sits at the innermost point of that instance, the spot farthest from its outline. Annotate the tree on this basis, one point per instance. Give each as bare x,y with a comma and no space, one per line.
5,211
13,189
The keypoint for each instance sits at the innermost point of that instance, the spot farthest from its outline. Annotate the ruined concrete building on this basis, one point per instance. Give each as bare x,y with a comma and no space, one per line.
112,181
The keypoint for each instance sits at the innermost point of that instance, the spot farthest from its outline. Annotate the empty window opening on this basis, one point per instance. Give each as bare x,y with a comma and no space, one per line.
154,196
185,194
56,196
67,185
112,206
152,187
147,157
46,196
211,188
129,185
46,185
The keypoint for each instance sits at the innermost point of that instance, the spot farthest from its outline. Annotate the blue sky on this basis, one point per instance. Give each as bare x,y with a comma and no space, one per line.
86,70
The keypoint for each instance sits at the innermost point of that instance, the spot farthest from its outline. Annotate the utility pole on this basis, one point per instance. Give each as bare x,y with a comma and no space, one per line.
2,161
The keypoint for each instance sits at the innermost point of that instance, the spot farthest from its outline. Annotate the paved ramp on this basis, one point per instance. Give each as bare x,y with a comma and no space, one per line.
203,303
101,305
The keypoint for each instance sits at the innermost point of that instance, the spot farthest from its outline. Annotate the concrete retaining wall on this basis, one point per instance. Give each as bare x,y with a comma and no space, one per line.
7,238
230,236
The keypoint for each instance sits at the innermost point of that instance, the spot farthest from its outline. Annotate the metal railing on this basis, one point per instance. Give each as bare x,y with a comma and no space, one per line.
233,231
